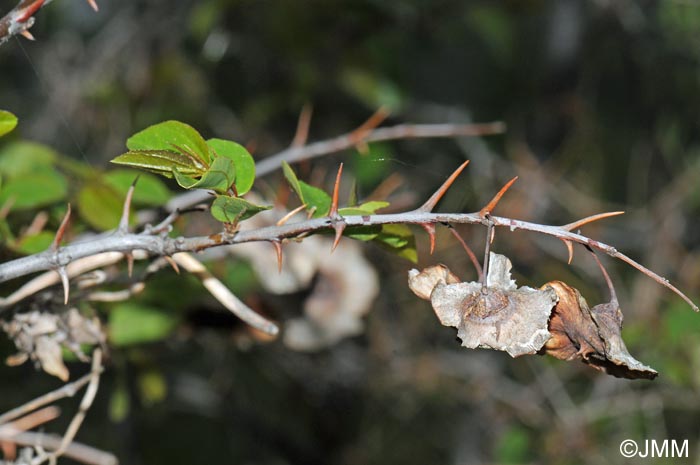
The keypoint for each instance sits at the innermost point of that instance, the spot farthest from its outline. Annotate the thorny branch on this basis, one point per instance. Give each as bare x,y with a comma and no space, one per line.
21,18
166,246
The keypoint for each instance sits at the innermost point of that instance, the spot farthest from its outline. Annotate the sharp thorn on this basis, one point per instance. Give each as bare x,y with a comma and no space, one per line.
286,217
590,219
278,251
172,263
93,5
496,198
570,248
368,126
430,229
302,133
129,263
124,221
61,230
435,198
27,35
64,280
333,213
339,227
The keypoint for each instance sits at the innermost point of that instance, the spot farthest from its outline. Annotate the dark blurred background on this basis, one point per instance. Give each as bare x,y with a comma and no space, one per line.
602,103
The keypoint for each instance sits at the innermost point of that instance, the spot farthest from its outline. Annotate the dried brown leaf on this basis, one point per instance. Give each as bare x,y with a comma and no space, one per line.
499,316
591,334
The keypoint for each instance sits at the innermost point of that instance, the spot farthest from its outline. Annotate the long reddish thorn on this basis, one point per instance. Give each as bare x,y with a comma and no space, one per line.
368,126
489,207
302,133
570,248
93,5
469,251
173,264
29,11
278,251
435,198
64,281
61,230
339,227
590,219
333,213
124,221
286,217
430,229
27,35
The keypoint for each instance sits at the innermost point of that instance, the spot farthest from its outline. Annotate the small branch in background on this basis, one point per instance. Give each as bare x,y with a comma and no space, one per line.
224,295
76,451
21,18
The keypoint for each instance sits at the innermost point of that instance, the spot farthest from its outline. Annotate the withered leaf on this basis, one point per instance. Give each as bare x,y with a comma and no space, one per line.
499,316
591,334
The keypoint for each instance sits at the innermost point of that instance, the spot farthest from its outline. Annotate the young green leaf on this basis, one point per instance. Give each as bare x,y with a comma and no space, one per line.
100,206
400,239
316,200
234,209
171,136
32,244
367,208
34,190
219,177
149,190
242,160
161,162
26,157
131,323
8,122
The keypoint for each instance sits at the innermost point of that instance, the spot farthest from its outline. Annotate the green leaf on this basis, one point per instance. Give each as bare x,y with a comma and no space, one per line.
152,387
362,233
119,404
242,160
100,206
234,209
291,177
161,162
367,208
30,191
316,200
131,323
400,239
36,243
26,157
171,136
149,189
219,177
8,122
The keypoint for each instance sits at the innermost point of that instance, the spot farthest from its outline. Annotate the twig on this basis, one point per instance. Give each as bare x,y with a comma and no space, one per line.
163,246
224,295
76,451
85,405
67,390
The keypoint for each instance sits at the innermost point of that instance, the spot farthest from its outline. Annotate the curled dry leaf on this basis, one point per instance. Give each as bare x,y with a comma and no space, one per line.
591,334
499,316
40,336
554,320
